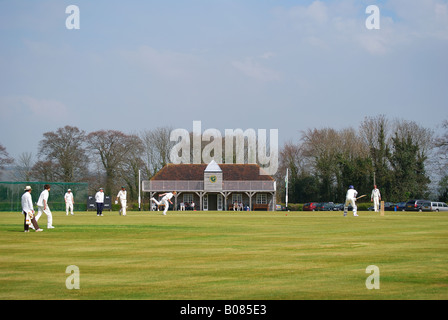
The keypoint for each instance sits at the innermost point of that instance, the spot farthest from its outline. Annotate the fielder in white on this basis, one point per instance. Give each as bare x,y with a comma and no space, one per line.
69,201
122,197
42,206
166,198
350,198
376,198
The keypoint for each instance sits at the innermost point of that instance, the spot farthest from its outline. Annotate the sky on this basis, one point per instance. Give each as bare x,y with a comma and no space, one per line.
261,64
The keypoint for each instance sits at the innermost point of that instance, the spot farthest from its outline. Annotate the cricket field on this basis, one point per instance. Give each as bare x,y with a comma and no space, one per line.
226,256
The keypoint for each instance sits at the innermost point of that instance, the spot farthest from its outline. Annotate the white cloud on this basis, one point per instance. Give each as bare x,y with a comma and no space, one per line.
316,12
168,64
374,44
338,24
253,69
267,55
37,108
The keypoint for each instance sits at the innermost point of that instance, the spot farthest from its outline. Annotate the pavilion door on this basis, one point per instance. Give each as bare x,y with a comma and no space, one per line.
212,202
219,202
205,203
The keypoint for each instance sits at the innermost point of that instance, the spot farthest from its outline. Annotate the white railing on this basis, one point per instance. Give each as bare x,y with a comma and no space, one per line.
180,185
248,186
198,185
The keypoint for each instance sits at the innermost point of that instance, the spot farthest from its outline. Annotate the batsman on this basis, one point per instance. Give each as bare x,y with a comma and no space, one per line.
350,199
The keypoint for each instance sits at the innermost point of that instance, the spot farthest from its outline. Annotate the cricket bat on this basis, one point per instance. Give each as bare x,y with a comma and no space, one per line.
361,197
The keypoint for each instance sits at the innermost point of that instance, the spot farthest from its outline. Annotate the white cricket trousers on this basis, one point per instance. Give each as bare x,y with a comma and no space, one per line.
123,207
349,201
376,204
40,210
68,207
164,202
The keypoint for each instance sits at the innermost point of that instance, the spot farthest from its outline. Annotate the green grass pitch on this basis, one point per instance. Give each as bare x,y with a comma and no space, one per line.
226,255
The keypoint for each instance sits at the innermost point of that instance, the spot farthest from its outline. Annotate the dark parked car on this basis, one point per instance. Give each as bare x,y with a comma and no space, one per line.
401,206
325,206
414,205
310,206
388,206
338,207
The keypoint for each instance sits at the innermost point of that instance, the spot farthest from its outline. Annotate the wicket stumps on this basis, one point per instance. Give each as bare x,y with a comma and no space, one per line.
382,208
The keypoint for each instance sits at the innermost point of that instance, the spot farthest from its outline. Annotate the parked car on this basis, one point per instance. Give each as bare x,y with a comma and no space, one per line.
414,205
439,206
338,207
325,206
388,206
425,206
310,206
401,206
279,207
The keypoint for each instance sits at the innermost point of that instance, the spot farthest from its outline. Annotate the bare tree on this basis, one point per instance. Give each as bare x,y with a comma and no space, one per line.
65,147
5,159
372,128
376,133
301,179
131,167
442,141
157,147
441,165
23,170
422,137
337,159
112,148
320,146
45,171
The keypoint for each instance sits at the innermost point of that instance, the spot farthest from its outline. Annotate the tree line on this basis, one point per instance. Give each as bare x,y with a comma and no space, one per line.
103,158
394,155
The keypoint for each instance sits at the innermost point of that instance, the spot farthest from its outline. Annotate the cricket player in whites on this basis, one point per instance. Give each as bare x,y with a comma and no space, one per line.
376,198
69,201
42,206
166,197
350,198
122,197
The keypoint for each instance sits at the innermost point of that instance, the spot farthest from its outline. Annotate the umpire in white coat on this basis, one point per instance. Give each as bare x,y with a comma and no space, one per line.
28,211
376,198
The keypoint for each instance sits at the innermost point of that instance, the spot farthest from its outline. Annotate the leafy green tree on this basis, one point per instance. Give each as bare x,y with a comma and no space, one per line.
304,189
408,163
443,189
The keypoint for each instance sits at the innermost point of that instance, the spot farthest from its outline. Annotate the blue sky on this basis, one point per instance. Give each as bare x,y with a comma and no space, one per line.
286,65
